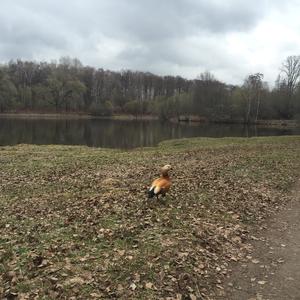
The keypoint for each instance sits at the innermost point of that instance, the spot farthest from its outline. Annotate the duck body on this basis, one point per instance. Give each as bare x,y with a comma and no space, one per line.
160,186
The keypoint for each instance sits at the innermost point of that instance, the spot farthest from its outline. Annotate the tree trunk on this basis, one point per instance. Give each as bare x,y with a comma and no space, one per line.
257,107
248,111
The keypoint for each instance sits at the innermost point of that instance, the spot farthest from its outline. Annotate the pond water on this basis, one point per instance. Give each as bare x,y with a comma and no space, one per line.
117,133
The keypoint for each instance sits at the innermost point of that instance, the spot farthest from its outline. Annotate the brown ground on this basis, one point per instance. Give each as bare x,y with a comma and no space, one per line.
273,270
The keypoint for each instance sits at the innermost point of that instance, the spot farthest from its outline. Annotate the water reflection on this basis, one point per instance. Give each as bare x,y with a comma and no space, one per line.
118,134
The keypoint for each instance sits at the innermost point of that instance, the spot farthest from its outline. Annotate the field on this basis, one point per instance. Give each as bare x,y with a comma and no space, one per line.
76,222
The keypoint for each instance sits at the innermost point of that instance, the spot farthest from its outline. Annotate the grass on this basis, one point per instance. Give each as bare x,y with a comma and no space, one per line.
76,222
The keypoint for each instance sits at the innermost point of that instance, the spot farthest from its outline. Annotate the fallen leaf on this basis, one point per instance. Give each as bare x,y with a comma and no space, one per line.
74,280
255,261
192,297
149,285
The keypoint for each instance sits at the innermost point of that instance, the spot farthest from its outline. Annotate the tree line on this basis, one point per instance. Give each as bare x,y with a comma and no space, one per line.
68,86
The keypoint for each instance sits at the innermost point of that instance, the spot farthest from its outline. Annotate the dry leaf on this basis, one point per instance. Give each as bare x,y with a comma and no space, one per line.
149,285
192,297
74,280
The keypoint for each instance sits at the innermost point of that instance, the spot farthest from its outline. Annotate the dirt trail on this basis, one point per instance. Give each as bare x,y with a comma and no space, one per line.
273,270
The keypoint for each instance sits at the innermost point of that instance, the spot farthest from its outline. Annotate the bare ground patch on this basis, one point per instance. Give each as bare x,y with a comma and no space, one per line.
272,270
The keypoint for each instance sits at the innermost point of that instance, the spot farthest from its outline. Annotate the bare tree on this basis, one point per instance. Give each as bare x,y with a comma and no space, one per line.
291,70
252,88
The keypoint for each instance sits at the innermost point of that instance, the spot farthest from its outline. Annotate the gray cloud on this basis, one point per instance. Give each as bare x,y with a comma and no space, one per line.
183,37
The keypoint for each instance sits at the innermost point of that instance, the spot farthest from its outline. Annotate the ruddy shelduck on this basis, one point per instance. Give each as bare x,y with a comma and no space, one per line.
160,186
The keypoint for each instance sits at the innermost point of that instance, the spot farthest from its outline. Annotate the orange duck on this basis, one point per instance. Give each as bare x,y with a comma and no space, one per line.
160,186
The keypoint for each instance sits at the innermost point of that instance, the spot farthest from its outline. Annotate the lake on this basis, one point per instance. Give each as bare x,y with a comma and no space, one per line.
119,133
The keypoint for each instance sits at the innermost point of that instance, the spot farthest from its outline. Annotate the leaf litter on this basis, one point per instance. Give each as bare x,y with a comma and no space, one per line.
76,223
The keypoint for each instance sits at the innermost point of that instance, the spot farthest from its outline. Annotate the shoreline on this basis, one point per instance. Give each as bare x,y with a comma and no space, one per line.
73,116
126,117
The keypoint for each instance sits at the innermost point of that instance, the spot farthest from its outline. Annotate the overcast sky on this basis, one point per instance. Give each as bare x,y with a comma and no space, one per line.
230,38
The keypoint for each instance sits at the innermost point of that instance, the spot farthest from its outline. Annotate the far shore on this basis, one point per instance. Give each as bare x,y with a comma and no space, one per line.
127,117
74,116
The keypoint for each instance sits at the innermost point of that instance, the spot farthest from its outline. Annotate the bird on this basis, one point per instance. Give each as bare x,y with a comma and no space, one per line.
161,185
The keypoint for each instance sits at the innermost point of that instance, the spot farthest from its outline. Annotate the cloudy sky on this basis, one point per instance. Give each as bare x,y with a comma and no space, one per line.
230,38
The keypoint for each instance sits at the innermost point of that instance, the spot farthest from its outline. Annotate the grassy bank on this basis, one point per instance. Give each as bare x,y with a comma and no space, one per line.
75,221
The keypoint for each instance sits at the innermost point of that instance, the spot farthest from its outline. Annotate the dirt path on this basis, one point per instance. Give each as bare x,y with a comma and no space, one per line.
273,270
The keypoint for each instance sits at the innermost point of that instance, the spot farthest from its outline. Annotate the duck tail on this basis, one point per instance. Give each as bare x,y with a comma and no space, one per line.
151,192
